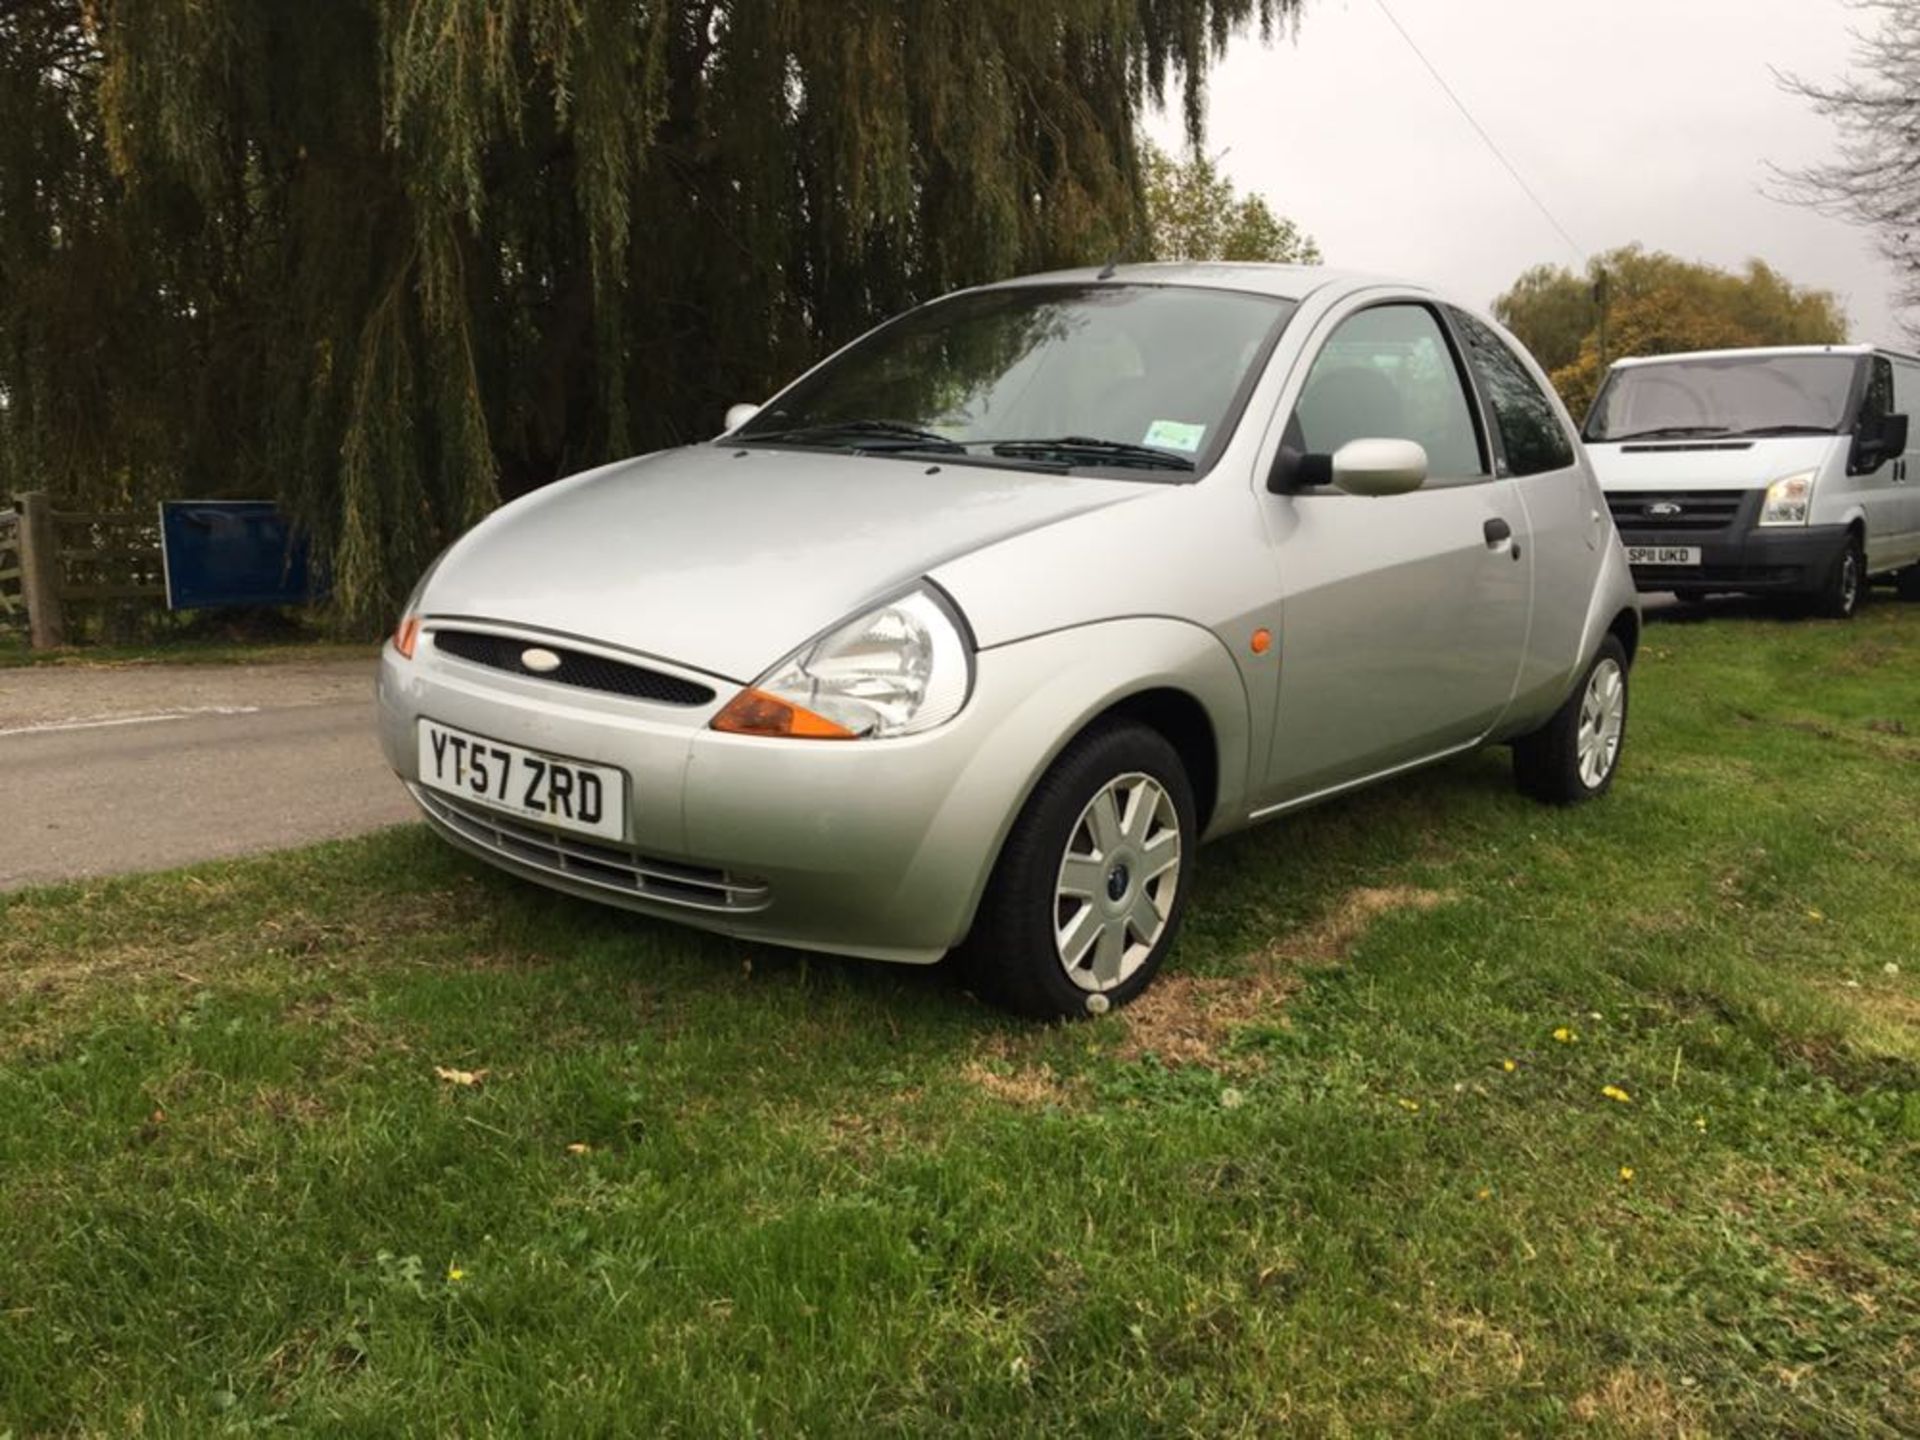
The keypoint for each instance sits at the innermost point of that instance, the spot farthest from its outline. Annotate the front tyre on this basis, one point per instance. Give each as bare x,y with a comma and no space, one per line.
1573,756
1091,885
1846,584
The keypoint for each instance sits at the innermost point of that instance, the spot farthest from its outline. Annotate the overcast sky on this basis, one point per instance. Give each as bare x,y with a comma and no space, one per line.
1647,120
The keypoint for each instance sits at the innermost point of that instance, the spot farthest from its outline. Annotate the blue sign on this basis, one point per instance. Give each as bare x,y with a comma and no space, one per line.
232,552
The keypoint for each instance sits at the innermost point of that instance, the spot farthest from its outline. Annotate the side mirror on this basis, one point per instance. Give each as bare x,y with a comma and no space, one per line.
1889,438
1379,467
738,415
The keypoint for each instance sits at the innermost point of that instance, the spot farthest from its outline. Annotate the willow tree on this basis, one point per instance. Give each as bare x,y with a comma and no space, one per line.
391,259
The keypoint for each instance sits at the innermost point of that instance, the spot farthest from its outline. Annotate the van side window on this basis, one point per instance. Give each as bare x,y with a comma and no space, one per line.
1530,432
1879,402
1388,373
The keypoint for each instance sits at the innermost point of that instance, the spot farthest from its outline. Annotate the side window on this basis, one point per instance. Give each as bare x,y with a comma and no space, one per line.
1389,374
1530,432
1879,401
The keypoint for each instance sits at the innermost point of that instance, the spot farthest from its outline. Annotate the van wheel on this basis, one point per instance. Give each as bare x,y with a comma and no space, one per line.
1846,587
1573,756
1090,888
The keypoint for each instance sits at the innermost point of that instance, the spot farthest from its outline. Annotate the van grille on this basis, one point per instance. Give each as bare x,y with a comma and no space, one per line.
586,862
1676,509
578,668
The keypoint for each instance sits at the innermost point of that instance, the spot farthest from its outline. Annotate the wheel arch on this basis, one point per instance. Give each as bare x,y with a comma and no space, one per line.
1183,722
1625,627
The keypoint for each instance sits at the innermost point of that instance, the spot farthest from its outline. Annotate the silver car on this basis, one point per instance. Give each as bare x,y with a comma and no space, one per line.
974,632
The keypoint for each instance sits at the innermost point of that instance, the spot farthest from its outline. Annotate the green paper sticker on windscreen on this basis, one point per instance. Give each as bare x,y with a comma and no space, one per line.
1175,435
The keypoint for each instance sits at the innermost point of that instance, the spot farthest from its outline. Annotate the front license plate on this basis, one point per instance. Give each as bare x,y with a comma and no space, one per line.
566,794
1663,554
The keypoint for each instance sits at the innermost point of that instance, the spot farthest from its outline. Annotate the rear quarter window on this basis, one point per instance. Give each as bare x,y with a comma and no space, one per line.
1530,431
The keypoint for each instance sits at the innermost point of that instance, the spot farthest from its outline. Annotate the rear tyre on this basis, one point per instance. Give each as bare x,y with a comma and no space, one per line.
1846,584
1573,756
1091,885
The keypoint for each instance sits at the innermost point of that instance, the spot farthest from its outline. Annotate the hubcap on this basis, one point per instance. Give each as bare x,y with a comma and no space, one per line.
1117,881
1603,719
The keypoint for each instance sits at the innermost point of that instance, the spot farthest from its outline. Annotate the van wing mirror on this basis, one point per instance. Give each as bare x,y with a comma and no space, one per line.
1893,435
738,415
1878,441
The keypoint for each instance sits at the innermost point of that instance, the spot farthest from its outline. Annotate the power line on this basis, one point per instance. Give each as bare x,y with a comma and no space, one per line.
1481,131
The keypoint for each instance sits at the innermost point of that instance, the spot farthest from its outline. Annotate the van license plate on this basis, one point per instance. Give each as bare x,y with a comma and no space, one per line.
566,794
1663,554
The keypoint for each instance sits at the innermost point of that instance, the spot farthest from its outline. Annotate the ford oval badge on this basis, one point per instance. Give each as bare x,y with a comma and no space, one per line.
539,661
1665,508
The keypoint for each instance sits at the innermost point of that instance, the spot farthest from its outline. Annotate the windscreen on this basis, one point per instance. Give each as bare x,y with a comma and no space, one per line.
1726,395
1058,376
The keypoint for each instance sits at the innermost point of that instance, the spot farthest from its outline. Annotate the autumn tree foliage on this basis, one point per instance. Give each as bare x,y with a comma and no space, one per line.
390,260
1194,213
1656,304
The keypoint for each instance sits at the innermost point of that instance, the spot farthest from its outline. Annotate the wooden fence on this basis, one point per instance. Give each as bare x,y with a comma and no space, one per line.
64,558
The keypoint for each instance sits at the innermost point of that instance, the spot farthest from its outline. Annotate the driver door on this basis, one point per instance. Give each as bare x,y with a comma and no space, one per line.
1404,619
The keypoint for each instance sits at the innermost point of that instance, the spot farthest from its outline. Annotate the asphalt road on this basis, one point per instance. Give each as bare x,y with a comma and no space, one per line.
122,768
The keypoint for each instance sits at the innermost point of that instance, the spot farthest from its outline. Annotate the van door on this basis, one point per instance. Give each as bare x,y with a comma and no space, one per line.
1905,546
1878,491
1404,617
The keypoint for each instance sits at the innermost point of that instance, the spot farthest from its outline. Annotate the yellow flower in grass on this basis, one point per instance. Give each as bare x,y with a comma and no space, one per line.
1410,1106
455,1274
1700,1122
1626,1172
1508,1066
1614,1092
1566,1035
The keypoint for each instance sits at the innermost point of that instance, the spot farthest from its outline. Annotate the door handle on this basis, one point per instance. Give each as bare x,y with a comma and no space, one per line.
1497,531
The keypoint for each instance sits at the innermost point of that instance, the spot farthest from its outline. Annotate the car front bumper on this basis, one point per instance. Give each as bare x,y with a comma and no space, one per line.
878,849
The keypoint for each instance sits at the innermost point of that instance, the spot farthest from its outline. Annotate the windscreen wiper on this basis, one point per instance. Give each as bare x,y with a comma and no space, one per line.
860,435
1083,449
1663,432
1789,430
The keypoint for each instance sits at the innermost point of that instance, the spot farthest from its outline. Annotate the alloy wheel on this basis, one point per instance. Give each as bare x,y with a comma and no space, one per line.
1603,716
1117,882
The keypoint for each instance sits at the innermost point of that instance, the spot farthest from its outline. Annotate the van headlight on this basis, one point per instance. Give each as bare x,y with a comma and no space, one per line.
902,667
1789,501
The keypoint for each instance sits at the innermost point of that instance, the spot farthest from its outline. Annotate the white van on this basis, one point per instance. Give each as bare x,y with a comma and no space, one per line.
1778,471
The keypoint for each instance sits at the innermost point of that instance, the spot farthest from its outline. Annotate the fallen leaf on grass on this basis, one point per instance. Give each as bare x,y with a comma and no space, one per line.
459,1077
578,1147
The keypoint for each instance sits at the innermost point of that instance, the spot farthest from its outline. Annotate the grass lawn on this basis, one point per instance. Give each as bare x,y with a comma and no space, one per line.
1453,1114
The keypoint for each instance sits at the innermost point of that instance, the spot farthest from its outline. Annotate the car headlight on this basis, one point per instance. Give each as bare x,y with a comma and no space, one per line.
903,667
1789,501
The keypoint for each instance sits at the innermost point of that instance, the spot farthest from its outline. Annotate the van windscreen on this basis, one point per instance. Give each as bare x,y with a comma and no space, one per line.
1726,395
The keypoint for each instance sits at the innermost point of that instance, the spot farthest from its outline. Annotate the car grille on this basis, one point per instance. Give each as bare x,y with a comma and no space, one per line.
1697,509
577,668
586,862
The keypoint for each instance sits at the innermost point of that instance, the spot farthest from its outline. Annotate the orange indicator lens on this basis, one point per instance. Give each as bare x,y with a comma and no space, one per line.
754,712
407,636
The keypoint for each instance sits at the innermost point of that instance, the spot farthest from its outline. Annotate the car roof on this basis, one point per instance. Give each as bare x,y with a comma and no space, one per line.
1286,282
1756,352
